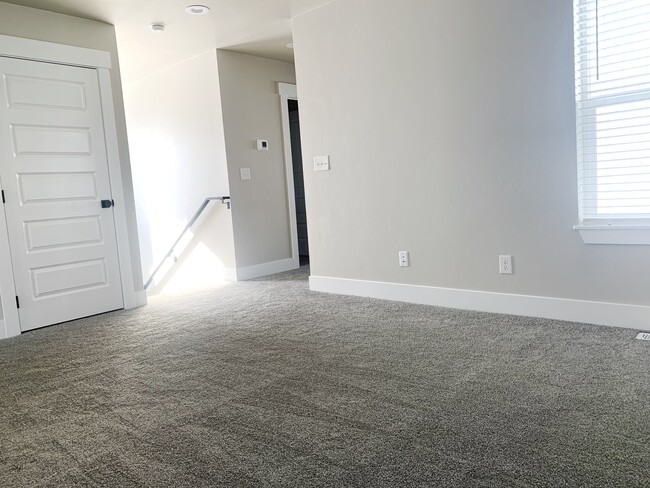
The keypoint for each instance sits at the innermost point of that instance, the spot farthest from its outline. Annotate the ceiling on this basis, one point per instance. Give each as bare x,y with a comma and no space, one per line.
258,27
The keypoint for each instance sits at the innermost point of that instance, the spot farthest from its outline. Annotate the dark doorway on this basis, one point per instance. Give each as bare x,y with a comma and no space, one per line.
298,182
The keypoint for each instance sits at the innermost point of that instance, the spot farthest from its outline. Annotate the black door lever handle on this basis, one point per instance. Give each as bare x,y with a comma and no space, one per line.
107,203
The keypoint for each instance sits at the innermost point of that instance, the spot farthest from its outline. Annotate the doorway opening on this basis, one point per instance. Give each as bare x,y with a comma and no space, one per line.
298,182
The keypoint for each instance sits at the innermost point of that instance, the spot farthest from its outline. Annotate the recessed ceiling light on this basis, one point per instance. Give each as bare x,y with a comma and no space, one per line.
197,9
157,27
290,45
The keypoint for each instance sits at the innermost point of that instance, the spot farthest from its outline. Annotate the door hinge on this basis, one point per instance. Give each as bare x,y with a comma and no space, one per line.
3,196
17,303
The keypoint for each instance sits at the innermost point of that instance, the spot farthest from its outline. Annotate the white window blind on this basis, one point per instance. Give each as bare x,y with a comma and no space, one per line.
612,47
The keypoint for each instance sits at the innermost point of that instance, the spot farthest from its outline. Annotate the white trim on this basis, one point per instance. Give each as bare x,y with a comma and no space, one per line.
288,92
638,235
230,274
19,47
11,320
600,313
264,269
140,298
117,189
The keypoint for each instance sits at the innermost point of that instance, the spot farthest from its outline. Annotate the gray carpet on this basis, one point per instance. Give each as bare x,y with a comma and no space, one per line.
264,383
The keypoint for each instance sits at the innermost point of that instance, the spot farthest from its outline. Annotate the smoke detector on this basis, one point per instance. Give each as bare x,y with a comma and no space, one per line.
157,27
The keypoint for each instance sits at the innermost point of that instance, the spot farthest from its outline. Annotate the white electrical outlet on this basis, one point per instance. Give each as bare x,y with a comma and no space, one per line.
245,173
505,264
404,259
643,336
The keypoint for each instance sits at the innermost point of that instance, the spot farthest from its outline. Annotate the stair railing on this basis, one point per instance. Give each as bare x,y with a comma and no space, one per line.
191,222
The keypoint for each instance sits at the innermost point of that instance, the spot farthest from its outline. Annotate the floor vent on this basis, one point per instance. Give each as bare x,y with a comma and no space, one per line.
643,336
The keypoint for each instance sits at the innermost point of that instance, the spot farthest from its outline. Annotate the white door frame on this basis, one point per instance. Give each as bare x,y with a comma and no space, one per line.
17,47
288,92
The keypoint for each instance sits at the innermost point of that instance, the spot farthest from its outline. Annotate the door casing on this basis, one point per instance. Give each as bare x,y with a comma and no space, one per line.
29,49
288,91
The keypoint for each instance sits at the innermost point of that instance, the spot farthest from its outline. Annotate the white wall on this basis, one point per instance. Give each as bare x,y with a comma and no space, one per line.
46,26
251,111
450,125
178,158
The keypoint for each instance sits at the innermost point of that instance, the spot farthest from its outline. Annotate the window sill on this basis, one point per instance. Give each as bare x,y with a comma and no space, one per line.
635,235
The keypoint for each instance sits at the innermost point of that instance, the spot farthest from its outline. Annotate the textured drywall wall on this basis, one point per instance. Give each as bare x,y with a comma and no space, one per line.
251,111
179,159
451,130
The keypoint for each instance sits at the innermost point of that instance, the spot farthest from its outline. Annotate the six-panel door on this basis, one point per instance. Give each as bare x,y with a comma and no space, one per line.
54,173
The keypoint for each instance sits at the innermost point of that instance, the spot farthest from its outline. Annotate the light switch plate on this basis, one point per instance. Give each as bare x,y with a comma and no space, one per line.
245,173
322,163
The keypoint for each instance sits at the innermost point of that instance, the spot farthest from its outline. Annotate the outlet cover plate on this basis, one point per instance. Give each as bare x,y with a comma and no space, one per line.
505,264
322,163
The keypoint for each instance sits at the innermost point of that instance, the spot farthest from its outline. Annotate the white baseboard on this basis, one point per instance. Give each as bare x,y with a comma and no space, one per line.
258,270
599,313
6,331
230,274
140,298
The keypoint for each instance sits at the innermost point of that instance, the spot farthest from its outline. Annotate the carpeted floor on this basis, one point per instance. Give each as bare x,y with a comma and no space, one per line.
263,383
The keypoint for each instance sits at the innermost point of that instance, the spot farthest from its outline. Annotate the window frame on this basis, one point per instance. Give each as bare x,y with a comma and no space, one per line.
610,228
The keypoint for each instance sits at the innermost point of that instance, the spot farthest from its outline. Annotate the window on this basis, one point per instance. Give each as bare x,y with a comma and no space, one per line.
612,47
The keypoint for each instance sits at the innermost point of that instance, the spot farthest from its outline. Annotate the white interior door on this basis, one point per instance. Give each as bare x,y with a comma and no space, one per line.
54,174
